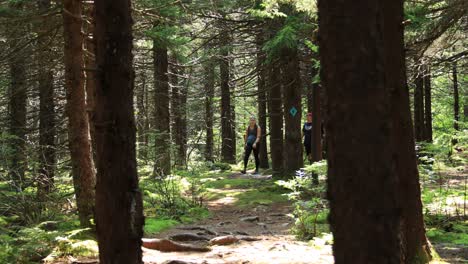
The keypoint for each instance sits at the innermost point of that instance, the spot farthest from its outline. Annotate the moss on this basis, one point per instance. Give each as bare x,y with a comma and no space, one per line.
422,256
154,225
441,236
255,197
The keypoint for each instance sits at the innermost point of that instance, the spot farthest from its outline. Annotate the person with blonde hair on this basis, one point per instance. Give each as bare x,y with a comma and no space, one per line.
252,143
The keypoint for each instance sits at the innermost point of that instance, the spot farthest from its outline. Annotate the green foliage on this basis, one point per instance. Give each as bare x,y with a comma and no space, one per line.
220,166
156,225
286,38
447,230
310,205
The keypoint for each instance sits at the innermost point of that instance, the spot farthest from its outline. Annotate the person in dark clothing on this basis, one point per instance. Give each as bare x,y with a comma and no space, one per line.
252,142
307,134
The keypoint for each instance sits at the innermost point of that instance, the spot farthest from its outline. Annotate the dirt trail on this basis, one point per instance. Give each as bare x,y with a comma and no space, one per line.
269,224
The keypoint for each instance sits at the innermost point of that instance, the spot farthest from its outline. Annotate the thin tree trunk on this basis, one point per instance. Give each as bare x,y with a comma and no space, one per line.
456,100
262,100
46,107
119,209
209,95
162,118
228,142
90,78
275,109
141,118
292,111
178,105
78,125
428,104
365,115
419,105
316,127
17,107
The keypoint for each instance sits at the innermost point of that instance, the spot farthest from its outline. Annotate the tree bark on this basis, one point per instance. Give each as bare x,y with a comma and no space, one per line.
119,209
209,95
427,104
178,107
78,125
419,105
275,109
316,127
162,117
17,107
228,142
456,99
46,106
367,111
141,93
262,100
292,100
90,78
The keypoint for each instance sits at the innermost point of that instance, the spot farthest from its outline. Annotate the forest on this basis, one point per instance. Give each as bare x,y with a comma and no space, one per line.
233,131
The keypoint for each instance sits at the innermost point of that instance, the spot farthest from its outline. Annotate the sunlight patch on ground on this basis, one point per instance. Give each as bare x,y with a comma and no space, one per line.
271,249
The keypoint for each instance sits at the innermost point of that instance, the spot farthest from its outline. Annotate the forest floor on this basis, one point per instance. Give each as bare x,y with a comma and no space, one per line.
253,215
256,218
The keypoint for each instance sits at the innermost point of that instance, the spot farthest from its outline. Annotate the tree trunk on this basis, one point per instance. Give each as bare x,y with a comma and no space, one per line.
228,142
292,110
427,104
162,119
178,107
119,209
316,127
275,108
17,107
78,126
209,95
90,78
367,111
419,105
456,100
262,100
141,92
46,107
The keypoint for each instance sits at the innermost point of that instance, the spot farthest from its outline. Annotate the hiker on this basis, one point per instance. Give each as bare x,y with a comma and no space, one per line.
307,134
252,142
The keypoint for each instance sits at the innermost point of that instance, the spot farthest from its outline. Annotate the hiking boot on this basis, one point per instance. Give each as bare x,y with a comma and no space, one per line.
243,171
256,172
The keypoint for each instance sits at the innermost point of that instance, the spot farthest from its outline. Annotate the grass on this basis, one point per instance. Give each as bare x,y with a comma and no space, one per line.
154,225
452,233
259,197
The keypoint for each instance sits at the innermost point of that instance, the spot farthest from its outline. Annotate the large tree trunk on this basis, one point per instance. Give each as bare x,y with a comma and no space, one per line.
419,105
292,110
78,125
427,104
367,111
119,209
275,109
17,107
209,96
179,124
262,100
161,117
228,141
46,106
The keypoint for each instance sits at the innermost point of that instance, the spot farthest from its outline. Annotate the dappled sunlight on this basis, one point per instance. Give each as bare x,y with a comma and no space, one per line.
278,249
